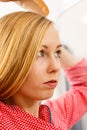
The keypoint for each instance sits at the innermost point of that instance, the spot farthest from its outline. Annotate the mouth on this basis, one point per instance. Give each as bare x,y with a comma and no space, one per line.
51,83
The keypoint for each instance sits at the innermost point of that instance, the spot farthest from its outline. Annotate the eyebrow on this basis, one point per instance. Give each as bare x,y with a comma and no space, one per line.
60,45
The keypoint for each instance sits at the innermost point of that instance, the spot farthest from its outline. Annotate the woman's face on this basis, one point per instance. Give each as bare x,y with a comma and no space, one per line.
44,74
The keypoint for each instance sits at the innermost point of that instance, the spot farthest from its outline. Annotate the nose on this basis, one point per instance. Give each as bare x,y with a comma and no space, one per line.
54,65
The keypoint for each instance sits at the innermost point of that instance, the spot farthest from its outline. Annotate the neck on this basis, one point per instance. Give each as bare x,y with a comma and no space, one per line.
32,108
29,105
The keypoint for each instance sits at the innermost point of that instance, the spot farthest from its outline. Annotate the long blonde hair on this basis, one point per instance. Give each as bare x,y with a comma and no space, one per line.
21,34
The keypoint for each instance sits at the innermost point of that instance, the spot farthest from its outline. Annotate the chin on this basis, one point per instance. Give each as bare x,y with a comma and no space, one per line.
48,96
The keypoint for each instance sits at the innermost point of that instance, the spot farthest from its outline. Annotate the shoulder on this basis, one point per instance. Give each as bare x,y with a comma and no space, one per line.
2,105
5,109
2,108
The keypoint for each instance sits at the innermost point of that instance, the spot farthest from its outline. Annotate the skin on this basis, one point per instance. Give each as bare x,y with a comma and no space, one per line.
46,68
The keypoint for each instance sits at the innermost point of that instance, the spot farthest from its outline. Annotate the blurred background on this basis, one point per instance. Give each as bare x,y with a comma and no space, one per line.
70,17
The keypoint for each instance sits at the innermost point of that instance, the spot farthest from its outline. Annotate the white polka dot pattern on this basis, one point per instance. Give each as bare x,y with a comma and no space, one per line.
13,118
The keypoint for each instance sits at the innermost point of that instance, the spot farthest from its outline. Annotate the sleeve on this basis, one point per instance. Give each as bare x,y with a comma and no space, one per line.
70,107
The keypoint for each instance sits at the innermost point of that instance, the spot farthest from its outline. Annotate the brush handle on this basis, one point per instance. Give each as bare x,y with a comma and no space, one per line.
37,6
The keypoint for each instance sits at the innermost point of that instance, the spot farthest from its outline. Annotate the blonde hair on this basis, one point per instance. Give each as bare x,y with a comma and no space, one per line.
21,34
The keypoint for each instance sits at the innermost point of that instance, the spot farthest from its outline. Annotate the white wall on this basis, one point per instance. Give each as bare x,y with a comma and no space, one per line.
8,7
72,25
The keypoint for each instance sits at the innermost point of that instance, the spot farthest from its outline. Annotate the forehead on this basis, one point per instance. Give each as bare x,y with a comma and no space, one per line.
51,36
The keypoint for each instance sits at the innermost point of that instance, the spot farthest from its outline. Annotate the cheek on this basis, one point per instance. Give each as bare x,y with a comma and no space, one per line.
38,69
37,73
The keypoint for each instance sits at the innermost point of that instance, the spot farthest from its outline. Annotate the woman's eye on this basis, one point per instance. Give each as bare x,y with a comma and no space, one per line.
41,53
58,54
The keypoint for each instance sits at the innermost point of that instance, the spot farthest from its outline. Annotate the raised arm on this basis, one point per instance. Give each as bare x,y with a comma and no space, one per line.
70,107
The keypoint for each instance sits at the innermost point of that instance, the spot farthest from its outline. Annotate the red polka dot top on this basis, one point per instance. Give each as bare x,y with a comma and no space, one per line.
58,114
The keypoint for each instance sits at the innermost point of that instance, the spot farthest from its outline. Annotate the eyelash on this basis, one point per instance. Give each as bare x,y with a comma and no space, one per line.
42,53
58,53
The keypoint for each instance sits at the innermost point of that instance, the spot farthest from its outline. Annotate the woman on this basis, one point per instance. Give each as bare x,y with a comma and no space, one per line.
31,57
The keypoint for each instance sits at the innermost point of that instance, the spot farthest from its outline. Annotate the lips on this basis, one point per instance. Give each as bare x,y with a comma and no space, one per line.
51,83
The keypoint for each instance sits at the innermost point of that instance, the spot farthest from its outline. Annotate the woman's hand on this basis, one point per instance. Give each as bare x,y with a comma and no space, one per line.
67,59
37,6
